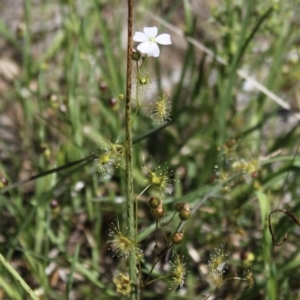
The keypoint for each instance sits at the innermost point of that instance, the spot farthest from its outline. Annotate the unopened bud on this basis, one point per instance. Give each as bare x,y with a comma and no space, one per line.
113,103
136,55
254,175
158,212
53,99
144,80
53,204
103,86
185,213
231,143
179,206
154,202
45,150
55,207
121,96
21,29
247,257
177,238
3,182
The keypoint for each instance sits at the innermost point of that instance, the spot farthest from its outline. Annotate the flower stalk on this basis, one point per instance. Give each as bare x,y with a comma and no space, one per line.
129,178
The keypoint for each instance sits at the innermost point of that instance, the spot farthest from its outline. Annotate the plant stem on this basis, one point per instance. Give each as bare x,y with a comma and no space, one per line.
129,179
18,278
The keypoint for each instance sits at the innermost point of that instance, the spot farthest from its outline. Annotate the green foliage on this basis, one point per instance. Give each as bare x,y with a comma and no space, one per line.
231,152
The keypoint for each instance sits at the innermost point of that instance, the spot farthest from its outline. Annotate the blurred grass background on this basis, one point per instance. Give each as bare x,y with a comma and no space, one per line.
62,67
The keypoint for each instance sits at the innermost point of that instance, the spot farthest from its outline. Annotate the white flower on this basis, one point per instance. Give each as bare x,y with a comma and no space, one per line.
149,40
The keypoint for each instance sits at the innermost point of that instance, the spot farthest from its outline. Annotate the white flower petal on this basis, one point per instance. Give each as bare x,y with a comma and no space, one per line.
150,31
149,41
144,47
153,50
163,39
140,37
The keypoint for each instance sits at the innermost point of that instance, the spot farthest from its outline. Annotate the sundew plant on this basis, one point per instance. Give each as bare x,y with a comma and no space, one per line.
149,149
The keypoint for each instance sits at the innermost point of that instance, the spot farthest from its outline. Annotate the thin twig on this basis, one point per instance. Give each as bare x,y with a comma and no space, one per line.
288,213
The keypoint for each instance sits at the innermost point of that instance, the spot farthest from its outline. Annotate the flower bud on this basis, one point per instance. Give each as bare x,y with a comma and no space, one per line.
254,175
123,284
21,29
144,80
103,86
55,207
231,143
113,103
45,150
53,100
158,212
185,213
54,204
247,257
3,182
136,55
121,96
154,202
177,238
179,206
